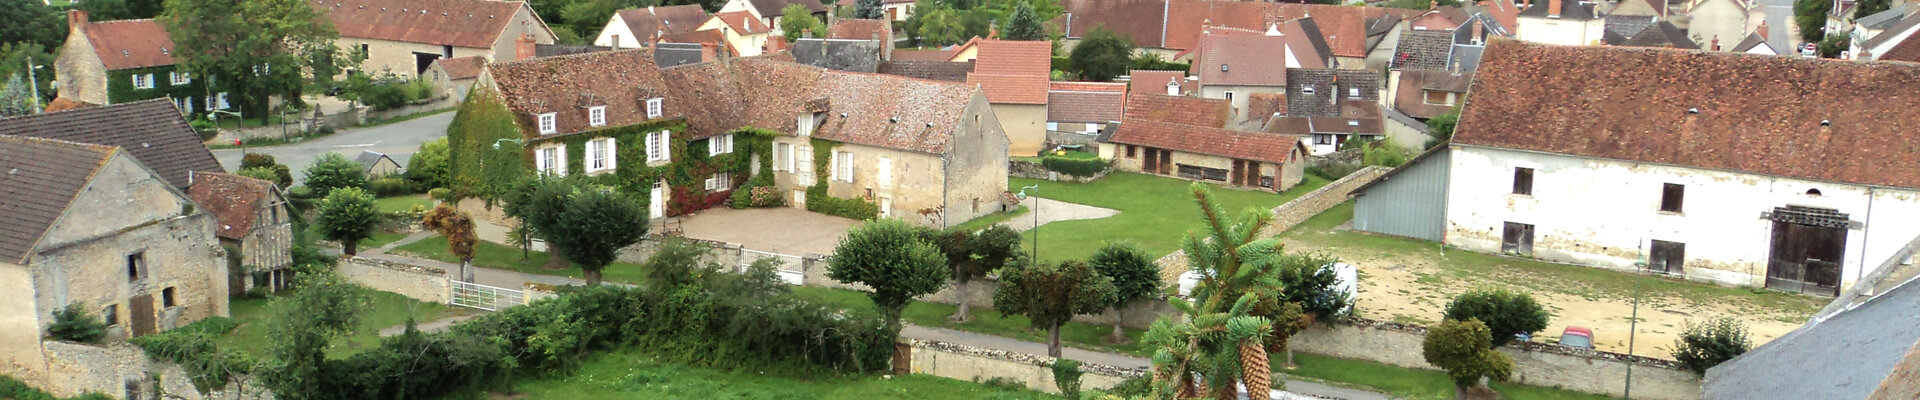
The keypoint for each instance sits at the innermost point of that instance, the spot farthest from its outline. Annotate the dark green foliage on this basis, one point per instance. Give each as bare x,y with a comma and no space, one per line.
196,348
296,365
817,198
281,174
1811,17
229,40
441,194
1051,294
796,20
333,171
76,323
1710,343
32,21
392,93
869,9
1833,44
1864,8
1135,277
1505,312
1441,127
1305,279
347,216
1066,376
1152,61
391,186
1076,167
1023,24
759,191
585,222
1460,347
1133,388
890,257
14,389
1101,55
428,167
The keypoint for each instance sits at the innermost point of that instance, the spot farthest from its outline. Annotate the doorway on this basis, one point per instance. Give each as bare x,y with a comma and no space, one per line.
1809,245
657,201
1517,238
421,61
140,310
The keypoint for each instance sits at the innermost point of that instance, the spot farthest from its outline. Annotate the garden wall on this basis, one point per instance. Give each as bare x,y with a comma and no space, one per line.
980,296
416,282
1033,170
970,363
1537,364
119,369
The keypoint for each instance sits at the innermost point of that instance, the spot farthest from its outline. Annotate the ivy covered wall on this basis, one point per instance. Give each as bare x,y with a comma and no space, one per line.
120,87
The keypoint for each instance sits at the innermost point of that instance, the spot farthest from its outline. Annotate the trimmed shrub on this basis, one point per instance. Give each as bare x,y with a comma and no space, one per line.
76,323
1076,167
1505,312
1708,344
391,186
1066,377
442,194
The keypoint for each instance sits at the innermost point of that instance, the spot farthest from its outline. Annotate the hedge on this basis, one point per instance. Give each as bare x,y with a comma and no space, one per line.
1077,167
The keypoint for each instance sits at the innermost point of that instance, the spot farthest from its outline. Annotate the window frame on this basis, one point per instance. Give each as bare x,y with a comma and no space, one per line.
655,108
722,144
1671,257
606,159
137,268
111,315
1673,198
556,163
167,299
1323,139
1522,181
658,144
547,124
178,78
597,116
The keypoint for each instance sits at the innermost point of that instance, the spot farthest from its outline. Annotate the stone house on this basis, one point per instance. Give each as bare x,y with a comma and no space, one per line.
1898,41
1690,169
740,31
89,226
1081,110
1561,22
1155,137
454,76
1014,74
151,131
768,11
112,62
926,152
376,164
254,220
879,30
641,27
404,37
1725,20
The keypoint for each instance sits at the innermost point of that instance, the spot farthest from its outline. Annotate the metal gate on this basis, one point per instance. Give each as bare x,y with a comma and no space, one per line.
474,295
787,265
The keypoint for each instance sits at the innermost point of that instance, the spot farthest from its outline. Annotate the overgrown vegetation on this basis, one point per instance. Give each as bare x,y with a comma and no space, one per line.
1066,377
14,389
1710,343
428,167
817,198
274,171
1504,312
75,323
1101,55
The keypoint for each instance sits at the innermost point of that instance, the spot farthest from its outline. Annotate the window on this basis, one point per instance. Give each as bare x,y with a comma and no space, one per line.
1229,96
136,266
1667,257
803,164
597,116
1306,89
1353,93
1322,138
546,124
1053,126
843,166
719,182
653,108
363,50
782,157
179,78
806,124
883,173
142,81
552,159
1517,238
718,145
1132,151
111,314
1439,98
657,147
1523,181
166,298
1671,197
600,155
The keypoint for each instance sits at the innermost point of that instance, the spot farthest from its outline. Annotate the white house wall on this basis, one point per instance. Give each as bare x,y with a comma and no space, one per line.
1559,31
1606,212
617,28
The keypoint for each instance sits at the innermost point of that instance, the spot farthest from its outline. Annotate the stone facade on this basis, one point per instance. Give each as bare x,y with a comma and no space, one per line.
973,363
937,190
1240,95
398,57
122,370
1537,364
1025,126
1284,175
416,282
82,76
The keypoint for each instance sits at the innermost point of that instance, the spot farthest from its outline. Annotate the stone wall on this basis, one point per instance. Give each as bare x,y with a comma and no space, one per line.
413,281
979,364
728,255
1537,364
980,296
1057,138
120,369
1033,170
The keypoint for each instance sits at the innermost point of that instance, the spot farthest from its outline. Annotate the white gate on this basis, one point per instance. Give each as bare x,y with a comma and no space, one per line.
474,295
787,265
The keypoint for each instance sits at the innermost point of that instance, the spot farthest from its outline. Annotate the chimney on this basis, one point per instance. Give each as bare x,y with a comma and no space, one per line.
1477,32
1762,29
650,10
1553,8
76,19
706,51
1716,42
1433,4
523,48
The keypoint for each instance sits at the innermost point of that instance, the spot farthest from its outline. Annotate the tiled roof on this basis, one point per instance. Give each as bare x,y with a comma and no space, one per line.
1086,101
921,55
151,130
232,199
865,108
1244,60
862,29
1343,28
1657,34
1143,21
1423,50
1302,126
1382,24
1155,81
1908,50
38,180
1757,114
648,24
941,70
556,50
1330,88
1754,40
369,158
462,23
1254,146
1013,71
1178,109
621,80
743,22
1445,18
1411,95
463,67
137,43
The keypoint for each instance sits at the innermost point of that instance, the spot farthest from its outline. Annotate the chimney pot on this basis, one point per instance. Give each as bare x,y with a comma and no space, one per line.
76,19
1716,42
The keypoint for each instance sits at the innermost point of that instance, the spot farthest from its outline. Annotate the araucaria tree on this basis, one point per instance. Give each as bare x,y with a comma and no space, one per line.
1024,24
254,49
1051,294
869,9
588,223
1460,347
1505,312
893,261
1134,277
457,227
1101,55
347,216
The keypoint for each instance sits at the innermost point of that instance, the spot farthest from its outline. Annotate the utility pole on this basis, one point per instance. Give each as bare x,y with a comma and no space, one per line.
34,83
1633,324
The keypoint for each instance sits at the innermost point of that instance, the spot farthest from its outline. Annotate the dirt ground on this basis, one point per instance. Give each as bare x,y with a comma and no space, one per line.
1412,286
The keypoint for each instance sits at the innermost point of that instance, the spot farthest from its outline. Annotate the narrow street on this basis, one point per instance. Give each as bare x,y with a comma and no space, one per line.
398,140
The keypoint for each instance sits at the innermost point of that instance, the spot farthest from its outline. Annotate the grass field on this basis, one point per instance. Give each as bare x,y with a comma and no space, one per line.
991,219
1156,212
384,310
401,203
635,374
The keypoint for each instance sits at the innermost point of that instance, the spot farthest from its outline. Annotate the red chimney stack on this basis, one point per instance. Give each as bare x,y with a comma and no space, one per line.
76,19
1553,8
523,48
1762,29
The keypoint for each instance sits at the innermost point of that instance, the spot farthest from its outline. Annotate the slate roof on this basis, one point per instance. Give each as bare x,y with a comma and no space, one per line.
667,54
1422,50
838,54
369,158
1085,101
127,44
39,178
1381,25
232,199
1013,71
1753,40
151,130
1543,98
1662,34
1847,356
930,70
861,29
1205,140
1244,60
1905,24
1629,25
1184,110
461,23
1885,18
1157,80
555,50
649,24
1570,10
1328,85
743,22
463,67
922,55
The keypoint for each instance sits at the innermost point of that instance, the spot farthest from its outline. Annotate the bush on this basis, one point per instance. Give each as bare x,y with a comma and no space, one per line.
347,215
279,173
1066,377
442,194
1332,171
76,323
1460,348
1505,312
333,171
1136,387
1708,344
855,208
429,167
1384,154
1076,167
204,128
14,389
391,186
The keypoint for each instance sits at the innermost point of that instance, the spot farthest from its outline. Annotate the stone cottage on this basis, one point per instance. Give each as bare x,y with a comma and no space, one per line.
150,130
255,221
1184,137
112,62
404,37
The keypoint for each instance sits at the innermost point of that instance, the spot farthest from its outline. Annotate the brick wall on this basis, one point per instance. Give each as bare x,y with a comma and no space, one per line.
413,281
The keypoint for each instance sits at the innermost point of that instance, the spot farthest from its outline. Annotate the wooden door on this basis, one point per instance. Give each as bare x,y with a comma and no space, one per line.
1806,258
1235,175
1151,165
1166,161
140,310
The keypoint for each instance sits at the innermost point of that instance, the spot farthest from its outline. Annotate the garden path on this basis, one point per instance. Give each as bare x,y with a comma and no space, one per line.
1046,211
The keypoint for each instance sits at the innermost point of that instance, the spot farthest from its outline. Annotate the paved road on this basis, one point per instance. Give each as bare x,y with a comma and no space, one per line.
399,140
1779,16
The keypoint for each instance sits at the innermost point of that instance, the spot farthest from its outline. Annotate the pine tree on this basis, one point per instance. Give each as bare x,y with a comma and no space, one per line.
14,99
1024,24
869,9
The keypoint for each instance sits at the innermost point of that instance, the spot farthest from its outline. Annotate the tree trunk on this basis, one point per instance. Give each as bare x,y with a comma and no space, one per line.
466,269
965,314
1290,364
1053,340
593,277
1459,392
1119,328
351,247
557,261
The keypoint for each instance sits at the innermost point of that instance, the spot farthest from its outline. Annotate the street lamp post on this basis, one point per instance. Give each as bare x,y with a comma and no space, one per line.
1036,218
34,83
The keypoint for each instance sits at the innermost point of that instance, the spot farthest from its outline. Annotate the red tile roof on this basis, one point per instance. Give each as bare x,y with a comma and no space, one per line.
1095,102
463,67
862,29
566,85
43,177
1344,27
1178,109
462,23
1264,147
232,199
648,24
1143,21
1106,87
127,44
1013,71
1757,114
1244,60
743,22
1908,50
1155,81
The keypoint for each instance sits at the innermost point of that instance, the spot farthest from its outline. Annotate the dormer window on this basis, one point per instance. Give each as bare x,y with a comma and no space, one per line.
1306,89
653,108
1223,67
546,124
1353,93
597,116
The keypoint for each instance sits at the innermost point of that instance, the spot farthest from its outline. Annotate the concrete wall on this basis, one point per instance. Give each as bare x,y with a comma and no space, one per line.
970,363
1559,31
1726,240
1538,364
112,369
1025,126
415,282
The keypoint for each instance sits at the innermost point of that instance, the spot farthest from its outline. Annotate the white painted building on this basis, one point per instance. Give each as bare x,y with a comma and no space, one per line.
1561,22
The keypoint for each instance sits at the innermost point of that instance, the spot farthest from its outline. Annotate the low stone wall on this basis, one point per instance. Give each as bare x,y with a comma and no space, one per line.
979,364
1538,364
728,255
1033,170
416,282
1056,138
119,369
368,115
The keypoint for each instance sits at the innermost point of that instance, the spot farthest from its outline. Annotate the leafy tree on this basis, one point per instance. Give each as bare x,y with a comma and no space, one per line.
429,166
253,48
1461,348
1441,127
1864,8
976,22
1134,275
31,22
1834,44
587,223
941,27
1708,344
974,255
1101,55
15,98
457,227
347,216
334,171
869,9
276,172
1305,279
911,26
1024,24
1505,312
1811,17
795,19
1051,294
324,308
891,259
76,323
261,173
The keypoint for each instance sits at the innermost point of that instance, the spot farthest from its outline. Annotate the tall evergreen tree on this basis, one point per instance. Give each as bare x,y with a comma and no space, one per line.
1025,25
869,9
15,100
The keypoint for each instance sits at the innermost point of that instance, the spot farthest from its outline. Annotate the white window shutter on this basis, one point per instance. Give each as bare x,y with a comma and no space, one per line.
540,160
560,159
612,161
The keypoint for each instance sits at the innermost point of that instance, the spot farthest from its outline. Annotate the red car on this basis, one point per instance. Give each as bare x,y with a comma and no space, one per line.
1577,337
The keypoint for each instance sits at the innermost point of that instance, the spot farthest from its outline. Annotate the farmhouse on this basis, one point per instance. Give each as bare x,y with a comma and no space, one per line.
111,62
404,37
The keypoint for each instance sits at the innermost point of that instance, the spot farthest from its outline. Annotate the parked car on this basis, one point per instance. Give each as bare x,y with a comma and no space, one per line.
1348,276
1576,336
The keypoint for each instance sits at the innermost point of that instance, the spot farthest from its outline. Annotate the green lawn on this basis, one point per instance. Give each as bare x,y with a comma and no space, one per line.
377,239
1407,383
1156,212
494,255
385,310
985,321
991,219
401,203
636,374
